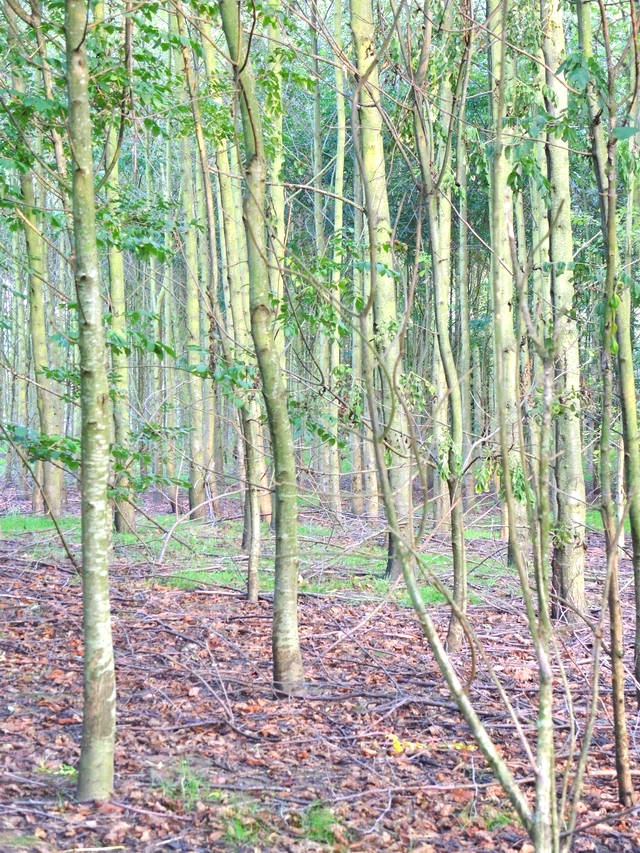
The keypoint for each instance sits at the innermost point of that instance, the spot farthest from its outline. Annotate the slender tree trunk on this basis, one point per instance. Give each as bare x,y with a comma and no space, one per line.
625,784
628,406
287,660
332,451
156,296
210,256
194,356
362,281
440,441
323,341
95,778
169,417
275,166
237,273
569,544
51,475
463,300
617,310
545,826
436,159
541,281
207,259
503,297
383,280
124,517
22,409
630,443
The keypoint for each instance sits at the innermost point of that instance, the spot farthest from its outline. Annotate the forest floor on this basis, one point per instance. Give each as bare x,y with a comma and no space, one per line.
375,756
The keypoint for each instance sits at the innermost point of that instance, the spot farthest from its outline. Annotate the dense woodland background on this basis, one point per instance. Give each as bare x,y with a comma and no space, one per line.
378,265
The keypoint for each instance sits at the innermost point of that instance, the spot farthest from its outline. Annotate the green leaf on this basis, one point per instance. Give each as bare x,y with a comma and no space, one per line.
625,132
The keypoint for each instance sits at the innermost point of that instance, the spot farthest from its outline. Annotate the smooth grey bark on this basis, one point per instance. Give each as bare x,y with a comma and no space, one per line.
362,281
240,349
630,463
463,302
197,496
625,782
383,300
616,312
331,464
96,769
435,169
195,385
124,516
287,660
541,280
275,190
503,291
569,542
51,474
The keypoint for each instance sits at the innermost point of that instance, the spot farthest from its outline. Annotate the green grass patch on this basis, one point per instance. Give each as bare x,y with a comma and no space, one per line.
192,578
189,786
429,595
16,842
317,823
213,556
243,828
63,770
495,818
594,520
482,531
15,524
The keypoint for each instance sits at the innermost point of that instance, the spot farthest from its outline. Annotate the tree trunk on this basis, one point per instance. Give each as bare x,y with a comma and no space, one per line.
287,660
124,517
503,296
169,419
630,442
569,544
362,283
435,159
277,228
332,451
541,281
463,301
241,351
625,784
194,355
95,777
616,311
383,280
51,478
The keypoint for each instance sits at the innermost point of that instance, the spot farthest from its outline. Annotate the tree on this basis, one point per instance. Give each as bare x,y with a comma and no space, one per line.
287,660
367,131
436,160
616,319
124,509
36,254
506,387
95,775
569,545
